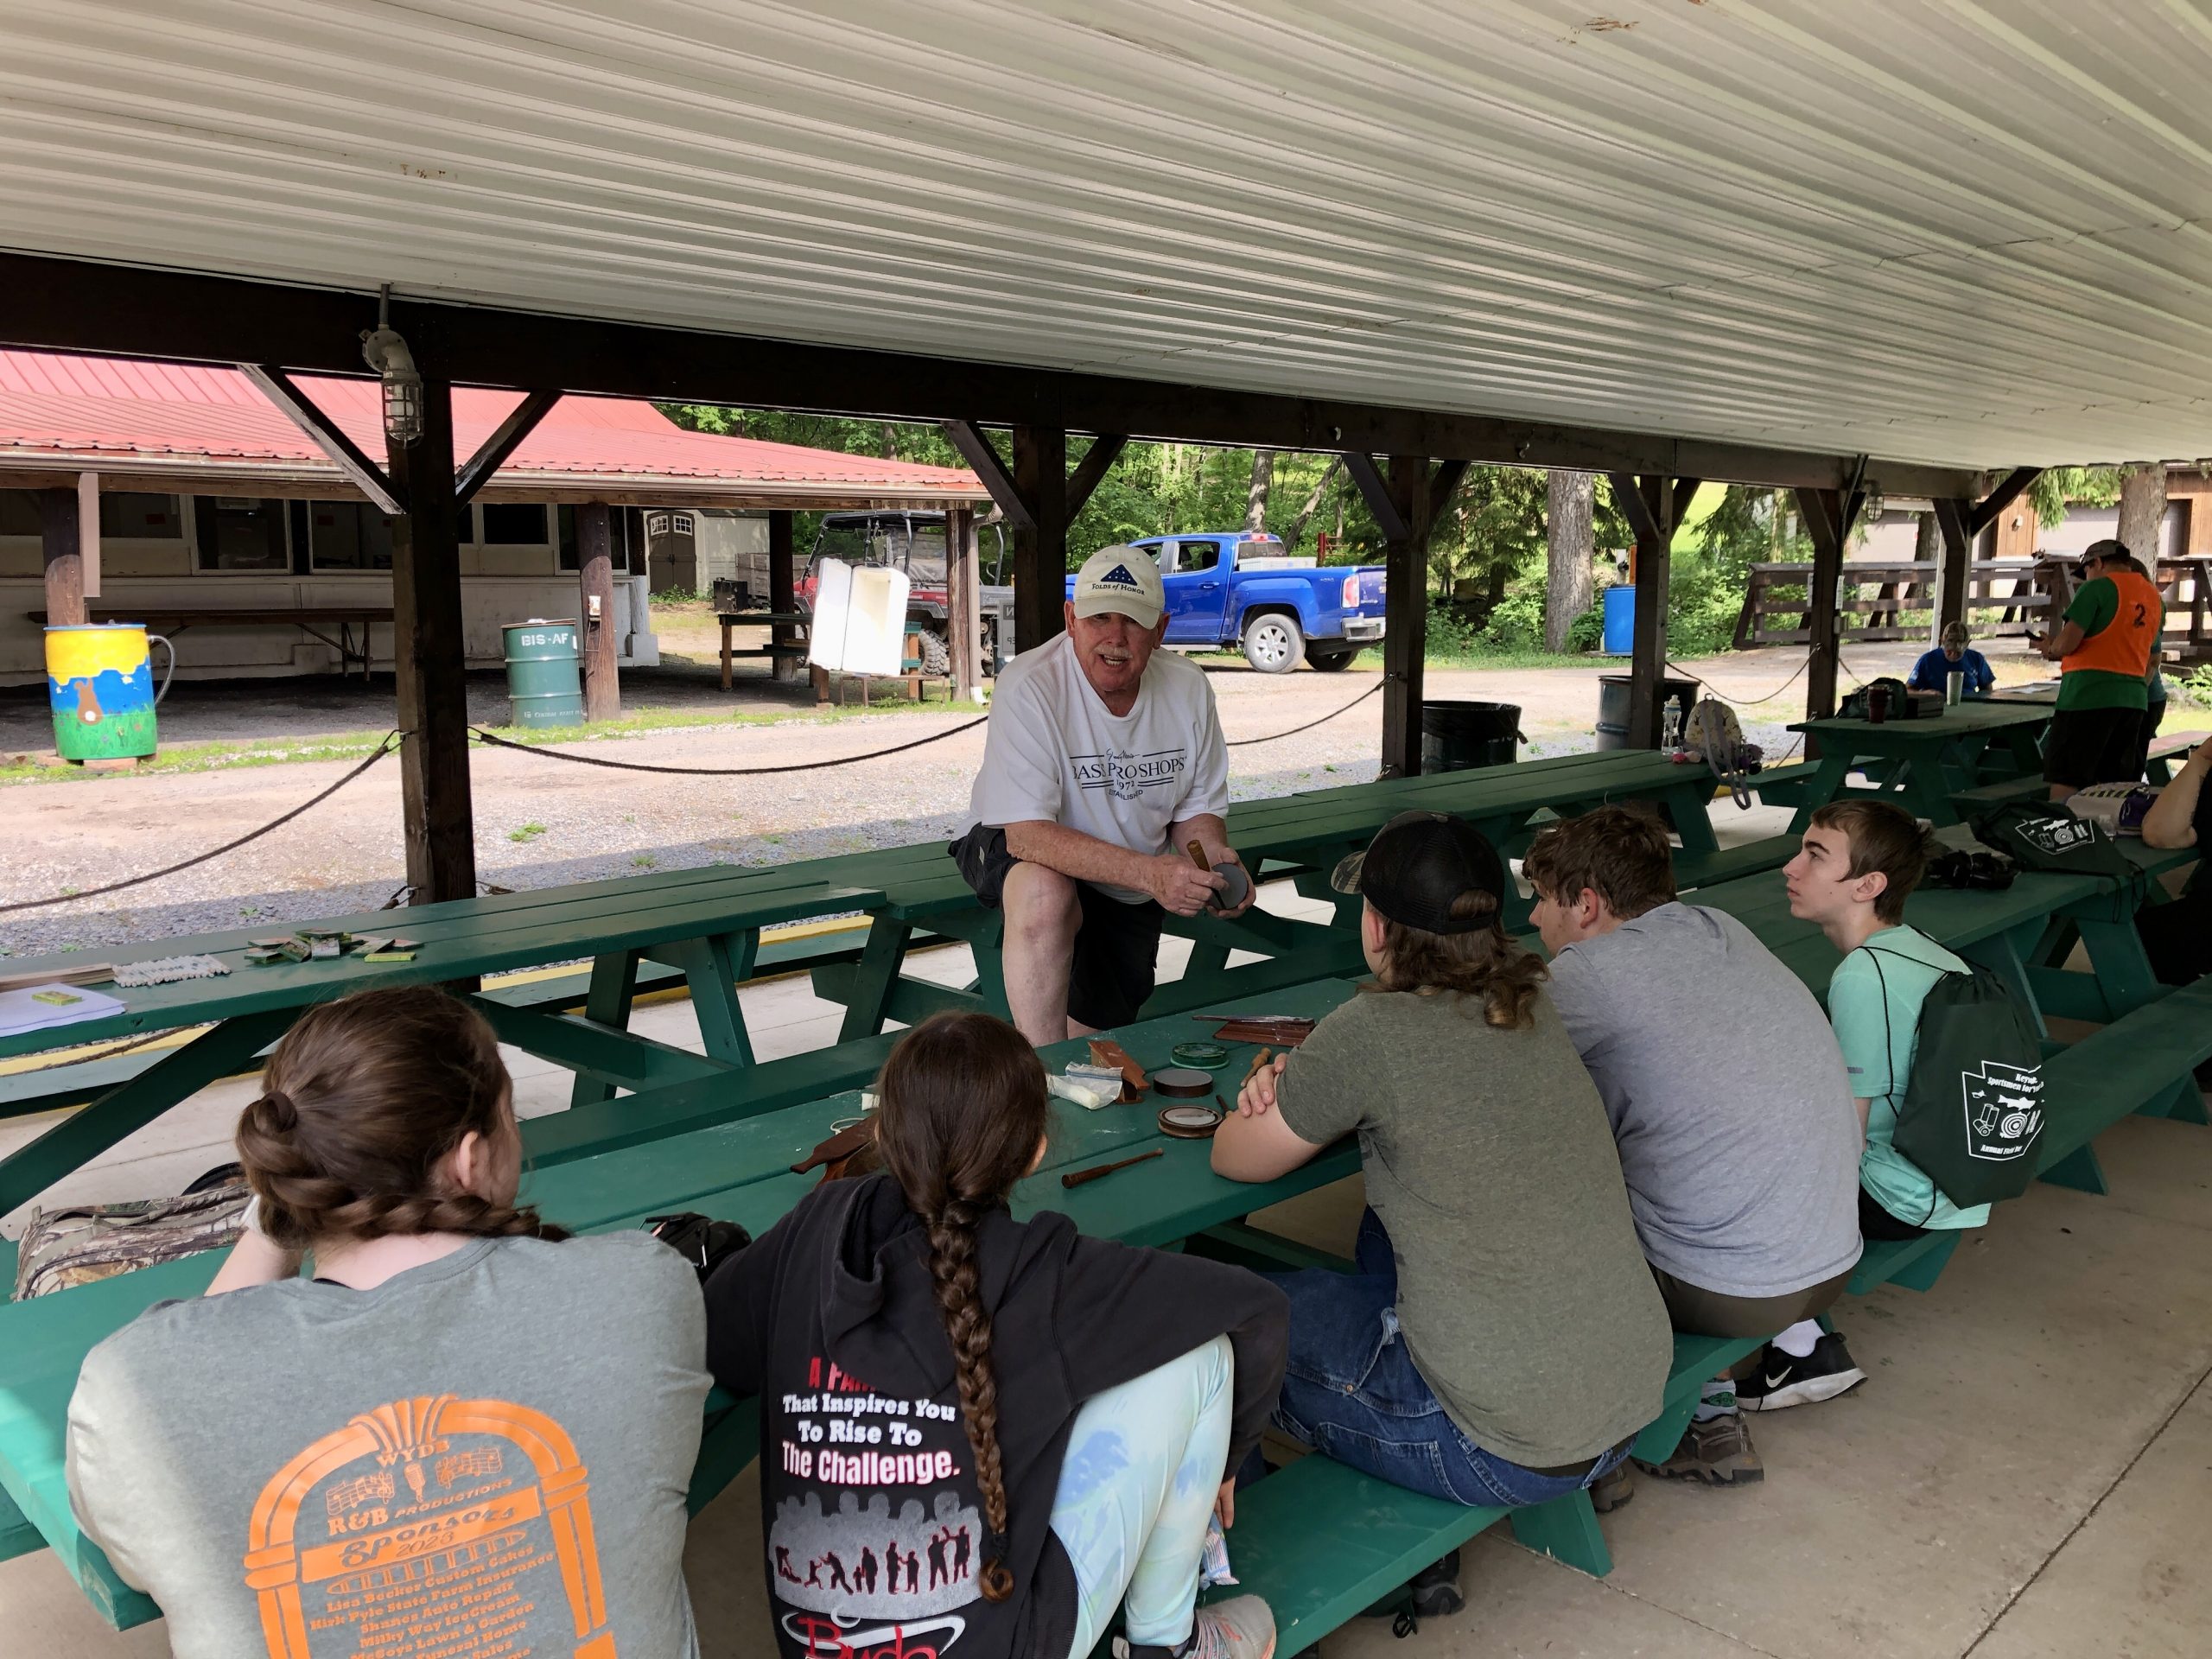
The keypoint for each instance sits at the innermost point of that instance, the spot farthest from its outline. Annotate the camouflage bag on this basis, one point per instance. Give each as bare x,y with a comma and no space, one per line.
76,1245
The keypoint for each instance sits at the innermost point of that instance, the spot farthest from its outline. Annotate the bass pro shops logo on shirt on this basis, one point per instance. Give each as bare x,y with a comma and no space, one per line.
1126,777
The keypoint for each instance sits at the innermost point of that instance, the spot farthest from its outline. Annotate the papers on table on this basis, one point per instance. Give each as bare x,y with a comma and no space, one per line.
37,1007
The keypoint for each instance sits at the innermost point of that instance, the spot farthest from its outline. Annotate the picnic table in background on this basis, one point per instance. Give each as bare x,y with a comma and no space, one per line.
1923,763
797,620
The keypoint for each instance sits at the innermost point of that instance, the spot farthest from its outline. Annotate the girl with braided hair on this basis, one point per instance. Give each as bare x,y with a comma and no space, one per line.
1051,1416
464,1420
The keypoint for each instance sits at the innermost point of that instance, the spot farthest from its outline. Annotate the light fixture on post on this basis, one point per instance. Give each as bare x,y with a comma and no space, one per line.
388,355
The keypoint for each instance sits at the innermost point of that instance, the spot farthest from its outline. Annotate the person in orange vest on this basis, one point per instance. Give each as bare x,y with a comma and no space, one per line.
2104,648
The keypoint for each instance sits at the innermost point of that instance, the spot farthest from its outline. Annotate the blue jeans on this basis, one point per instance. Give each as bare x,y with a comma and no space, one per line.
1350,1389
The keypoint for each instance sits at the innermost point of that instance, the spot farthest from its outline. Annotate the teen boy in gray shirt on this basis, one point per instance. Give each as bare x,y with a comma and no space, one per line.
1727,1094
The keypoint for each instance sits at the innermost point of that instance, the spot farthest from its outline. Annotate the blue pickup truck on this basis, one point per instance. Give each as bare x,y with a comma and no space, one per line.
1233,586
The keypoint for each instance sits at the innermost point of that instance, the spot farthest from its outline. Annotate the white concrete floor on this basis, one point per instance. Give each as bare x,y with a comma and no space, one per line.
2024,1476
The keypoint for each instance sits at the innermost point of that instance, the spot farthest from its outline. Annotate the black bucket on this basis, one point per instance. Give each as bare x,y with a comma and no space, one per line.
1612,708
1457,736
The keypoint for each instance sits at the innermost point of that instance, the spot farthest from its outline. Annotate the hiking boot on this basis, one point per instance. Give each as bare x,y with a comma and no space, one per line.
1243,1627
1781,1380
1613,1489
1717,1452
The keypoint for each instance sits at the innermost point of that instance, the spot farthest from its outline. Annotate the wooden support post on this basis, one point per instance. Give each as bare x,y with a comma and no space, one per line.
595,618
1040,548
1405,638
1650,504
430,664
963,601
88,531
1825,522
1957,564
65,562
783,591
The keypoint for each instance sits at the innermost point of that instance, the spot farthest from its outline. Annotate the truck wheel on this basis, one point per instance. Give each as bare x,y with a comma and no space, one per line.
937,652
1330,661
1274,644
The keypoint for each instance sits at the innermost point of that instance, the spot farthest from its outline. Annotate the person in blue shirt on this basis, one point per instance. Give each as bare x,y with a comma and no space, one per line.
1953,657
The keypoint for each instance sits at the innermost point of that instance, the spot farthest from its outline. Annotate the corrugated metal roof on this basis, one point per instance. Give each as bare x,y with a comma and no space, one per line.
103,410
1933,230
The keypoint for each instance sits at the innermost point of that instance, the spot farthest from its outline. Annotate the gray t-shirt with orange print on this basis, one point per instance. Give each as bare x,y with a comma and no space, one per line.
488,1454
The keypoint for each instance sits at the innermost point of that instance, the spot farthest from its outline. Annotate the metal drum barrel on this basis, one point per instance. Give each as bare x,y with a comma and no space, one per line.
1457,734
1613,692
545,677
99,682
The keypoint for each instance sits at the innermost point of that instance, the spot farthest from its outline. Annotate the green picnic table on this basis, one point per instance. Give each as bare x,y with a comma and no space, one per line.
1920,765
705,923
737,1171
1300,836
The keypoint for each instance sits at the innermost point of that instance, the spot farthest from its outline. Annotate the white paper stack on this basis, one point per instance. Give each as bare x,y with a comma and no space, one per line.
37,1007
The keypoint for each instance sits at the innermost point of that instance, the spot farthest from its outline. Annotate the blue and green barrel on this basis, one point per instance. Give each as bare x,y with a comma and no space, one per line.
99,683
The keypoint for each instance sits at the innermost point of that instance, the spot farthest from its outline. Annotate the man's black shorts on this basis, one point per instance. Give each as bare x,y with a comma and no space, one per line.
2092,746
1116,945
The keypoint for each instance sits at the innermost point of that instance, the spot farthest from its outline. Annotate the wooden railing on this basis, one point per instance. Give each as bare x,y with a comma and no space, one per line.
2021,591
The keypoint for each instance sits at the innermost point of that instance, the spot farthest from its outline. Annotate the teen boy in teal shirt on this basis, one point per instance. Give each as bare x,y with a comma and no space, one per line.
1860,862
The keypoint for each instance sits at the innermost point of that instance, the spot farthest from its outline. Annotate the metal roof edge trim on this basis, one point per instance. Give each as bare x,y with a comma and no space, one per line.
118,309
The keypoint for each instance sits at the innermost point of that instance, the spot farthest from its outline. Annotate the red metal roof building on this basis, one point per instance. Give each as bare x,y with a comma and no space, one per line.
212,499
191,427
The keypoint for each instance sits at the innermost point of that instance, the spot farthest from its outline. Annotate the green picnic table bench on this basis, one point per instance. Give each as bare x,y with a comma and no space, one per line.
1921,764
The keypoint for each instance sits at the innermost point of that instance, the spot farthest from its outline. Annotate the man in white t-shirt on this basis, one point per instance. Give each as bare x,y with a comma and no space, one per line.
1104,760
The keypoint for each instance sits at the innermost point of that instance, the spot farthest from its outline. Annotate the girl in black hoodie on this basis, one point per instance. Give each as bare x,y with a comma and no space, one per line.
978,1434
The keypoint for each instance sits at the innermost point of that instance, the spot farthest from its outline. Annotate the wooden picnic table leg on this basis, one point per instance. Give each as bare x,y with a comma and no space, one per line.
1925,790
874,975
128,1108
1565,1528
1834,768
1688,804
726,630
2006,955
613,989
715,968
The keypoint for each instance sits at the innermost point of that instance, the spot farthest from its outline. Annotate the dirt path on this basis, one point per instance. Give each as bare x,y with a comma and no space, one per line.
541,821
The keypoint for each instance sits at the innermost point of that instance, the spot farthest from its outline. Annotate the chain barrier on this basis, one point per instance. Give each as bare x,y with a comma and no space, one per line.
384,748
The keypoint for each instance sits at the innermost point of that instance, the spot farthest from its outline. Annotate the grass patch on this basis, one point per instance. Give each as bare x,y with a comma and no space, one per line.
354,746
528,832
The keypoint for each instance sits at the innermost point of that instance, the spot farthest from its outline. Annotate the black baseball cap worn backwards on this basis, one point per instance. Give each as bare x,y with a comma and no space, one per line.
1418,865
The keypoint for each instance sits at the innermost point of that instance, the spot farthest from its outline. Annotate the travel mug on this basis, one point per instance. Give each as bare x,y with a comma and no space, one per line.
1878,704
1955,689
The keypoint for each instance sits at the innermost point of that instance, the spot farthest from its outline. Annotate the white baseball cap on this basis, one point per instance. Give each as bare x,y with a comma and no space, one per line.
1122,580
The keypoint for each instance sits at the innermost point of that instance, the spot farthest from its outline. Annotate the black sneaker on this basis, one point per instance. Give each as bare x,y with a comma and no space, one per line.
1433,1592
1784,1380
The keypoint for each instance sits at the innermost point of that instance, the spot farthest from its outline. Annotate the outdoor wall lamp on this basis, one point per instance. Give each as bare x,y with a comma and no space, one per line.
387,353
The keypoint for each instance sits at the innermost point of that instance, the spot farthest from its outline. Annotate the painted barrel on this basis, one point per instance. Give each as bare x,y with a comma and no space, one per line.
1677,697
544,680
1619,638
99,682
1459,734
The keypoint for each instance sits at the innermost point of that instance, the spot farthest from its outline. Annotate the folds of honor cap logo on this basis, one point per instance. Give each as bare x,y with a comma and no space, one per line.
1124,581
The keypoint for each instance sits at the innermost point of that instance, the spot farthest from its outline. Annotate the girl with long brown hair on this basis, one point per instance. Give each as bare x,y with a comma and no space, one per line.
464,1420
1502,1340
981,1431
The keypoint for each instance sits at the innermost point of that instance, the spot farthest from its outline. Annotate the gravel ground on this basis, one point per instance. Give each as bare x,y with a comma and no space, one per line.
541,822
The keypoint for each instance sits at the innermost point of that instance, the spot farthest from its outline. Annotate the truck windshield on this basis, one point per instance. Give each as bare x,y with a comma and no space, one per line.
914,546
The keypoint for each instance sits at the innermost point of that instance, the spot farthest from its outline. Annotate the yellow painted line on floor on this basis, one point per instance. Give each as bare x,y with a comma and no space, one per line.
57,1058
